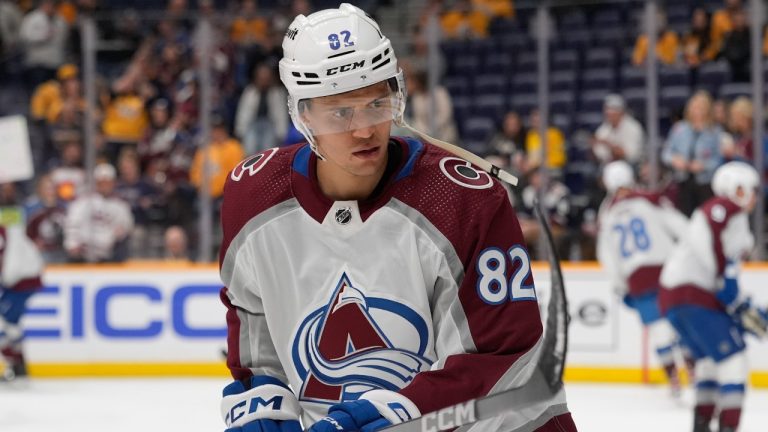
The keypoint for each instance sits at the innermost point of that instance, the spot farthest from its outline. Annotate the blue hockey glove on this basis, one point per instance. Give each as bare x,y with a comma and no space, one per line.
730,290
267,406
374,410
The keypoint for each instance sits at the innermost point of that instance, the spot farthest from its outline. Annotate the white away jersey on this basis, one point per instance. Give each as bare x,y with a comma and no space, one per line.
718,232
425,289
637,233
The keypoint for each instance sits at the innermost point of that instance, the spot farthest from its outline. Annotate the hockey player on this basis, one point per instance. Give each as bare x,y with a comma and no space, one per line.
701,299
370,279
20,267
637,231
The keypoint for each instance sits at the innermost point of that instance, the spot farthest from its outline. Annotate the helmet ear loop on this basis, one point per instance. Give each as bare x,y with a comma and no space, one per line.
401,95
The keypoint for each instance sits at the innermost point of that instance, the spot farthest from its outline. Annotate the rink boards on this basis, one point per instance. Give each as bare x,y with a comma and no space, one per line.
167,320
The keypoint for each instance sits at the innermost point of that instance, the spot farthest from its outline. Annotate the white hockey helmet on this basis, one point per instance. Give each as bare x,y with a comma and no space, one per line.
732,176
618,174
335,51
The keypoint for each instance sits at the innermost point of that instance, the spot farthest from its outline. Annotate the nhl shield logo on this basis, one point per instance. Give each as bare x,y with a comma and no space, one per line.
343,215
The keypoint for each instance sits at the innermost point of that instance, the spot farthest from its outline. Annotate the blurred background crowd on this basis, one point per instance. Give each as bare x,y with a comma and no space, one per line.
478,89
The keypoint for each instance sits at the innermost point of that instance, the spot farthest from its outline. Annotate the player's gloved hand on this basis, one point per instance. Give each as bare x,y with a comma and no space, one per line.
374,410
266,405
751,318
729,291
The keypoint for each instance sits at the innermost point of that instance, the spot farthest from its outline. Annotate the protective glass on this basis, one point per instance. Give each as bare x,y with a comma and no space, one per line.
349,111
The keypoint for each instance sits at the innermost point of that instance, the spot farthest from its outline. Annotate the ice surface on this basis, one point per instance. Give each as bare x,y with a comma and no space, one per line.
192,404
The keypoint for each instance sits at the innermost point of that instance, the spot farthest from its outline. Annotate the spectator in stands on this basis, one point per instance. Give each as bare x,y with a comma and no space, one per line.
692,152
740,147
161,132
46,216
667,44
43,36
698,46
737,49
620,136
141,196
71,95
98,223
555,158
223,154
262,114
55,120
249,28
509,142
175,243
722,21
125,119
10,23
463,20
420,109
67,172
47,98
556,206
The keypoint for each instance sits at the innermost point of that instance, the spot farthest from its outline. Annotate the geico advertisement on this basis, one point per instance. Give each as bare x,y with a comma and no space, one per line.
126,316
176,316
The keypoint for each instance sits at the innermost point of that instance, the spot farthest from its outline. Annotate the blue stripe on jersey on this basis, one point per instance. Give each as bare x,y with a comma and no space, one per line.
707,385
732,388
415,147
301,161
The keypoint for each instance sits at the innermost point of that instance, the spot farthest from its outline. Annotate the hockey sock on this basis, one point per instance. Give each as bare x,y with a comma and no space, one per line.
702,417
729,419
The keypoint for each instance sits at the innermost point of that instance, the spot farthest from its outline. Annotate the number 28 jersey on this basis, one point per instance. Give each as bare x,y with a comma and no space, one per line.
425,289
637,233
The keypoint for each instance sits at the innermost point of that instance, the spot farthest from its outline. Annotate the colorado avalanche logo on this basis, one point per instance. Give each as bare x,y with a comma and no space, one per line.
463,173
341,352
253,164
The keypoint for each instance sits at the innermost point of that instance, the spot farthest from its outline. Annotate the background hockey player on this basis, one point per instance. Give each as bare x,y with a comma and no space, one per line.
381,278
637,232
20,267
700,295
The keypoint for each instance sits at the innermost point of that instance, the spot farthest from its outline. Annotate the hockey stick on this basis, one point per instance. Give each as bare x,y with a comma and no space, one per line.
546,380
468,156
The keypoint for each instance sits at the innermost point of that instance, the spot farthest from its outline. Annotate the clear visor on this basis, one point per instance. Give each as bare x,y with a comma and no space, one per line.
350,111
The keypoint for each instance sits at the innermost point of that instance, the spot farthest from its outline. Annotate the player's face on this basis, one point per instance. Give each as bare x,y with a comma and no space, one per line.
352,129
752,199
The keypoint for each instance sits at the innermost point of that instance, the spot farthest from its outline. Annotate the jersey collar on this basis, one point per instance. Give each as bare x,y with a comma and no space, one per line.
307,190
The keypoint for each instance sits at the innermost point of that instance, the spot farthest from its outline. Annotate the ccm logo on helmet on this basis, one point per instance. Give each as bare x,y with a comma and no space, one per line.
345,68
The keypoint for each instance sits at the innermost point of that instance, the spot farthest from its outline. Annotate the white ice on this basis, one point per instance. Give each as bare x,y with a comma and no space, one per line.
191,405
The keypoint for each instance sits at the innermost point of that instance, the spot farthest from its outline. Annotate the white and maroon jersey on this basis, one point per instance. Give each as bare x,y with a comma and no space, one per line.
637,233
20,262
717,233
95,223
425,289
